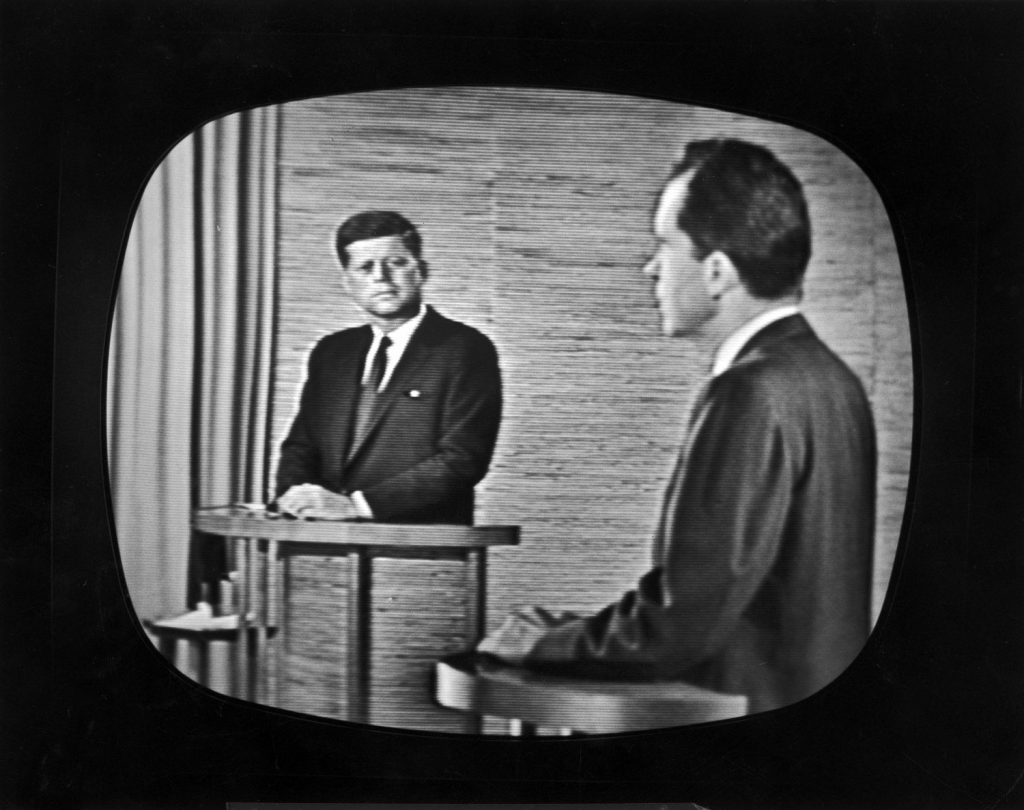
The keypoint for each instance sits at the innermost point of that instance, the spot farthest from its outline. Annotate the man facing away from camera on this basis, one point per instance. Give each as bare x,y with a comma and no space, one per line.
762,554
398,418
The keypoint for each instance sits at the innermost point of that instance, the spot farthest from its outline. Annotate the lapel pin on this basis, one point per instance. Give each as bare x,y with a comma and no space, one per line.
414,393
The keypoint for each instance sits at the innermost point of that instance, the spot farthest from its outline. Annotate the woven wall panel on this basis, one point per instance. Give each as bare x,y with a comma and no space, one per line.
535,207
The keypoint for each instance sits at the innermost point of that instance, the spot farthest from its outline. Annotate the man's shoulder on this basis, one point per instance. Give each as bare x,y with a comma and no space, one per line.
437,328
342,340
351,335
798,368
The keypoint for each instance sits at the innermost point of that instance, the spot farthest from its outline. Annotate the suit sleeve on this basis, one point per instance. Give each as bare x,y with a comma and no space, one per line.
300,456
470,420
724,516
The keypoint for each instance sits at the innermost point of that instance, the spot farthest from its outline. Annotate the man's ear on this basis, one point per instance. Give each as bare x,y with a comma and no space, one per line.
720,274
424,268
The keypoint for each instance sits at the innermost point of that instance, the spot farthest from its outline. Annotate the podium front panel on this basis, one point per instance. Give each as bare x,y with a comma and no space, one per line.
314,623
362,611
420,610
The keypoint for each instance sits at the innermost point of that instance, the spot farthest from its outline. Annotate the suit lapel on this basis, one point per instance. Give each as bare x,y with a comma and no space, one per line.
410,366
341,383
674,488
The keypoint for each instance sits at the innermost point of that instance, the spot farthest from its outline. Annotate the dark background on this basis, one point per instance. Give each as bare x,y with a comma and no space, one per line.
926,97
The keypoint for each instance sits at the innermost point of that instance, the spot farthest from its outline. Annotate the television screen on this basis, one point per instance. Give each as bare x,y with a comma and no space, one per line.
529,144
534,209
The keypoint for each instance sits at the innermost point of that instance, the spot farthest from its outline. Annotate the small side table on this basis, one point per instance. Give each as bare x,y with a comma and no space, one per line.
198,629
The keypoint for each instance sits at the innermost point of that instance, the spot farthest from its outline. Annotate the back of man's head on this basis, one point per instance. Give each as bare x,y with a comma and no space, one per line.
373,225
744,202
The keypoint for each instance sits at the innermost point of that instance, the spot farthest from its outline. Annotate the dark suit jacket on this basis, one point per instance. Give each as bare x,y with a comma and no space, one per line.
762,558
431,435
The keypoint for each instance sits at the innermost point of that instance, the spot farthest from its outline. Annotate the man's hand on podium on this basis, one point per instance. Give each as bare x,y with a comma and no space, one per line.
313,501
520,632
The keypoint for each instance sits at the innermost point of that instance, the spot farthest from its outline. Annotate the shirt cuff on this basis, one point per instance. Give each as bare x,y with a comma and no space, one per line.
362,507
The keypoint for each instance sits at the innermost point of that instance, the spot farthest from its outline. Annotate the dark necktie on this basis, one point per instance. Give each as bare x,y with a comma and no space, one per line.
368,395
380,364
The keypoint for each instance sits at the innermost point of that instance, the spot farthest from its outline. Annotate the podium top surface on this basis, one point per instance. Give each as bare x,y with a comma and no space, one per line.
482,685
245,521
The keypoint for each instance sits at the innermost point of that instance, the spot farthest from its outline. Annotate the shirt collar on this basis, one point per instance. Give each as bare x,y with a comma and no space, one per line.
733,344
401,336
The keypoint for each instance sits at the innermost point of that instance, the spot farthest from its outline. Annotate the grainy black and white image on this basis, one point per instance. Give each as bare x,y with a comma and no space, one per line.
686,476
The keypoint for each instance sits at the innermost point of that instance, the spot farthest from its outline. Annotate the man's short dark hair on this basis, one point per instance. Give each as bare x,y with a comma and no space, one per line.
374,224
744,202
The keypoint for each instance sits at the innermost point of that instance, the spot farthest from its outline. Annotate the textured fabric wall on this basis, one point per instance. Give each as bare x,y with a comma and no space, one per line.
535,207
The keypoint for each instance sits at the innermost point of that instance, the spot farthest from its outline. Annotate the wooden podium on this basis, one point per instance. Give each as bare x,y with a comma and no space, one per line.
363,611
479,684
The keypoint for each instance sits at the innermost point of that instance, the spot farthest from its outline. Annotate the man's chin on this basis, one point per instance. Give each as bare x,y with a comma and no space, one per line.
688,329
395,311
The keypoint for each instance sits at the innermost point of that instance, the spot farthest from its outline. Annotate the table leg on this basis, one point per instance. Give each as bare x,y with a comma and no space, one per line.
520,728
359,601
241,657
195,660
168,646
476,613
260,598
283,618
271,657
476,587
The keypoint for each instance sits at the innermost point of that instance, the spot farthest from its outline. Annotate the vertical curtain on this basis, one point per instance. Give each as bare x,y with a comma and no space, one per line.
235,301
149,390
190,359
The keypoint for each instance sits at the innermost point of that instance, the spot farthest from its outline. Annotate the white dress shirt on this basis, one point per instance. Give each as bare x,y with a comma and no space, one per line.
400,338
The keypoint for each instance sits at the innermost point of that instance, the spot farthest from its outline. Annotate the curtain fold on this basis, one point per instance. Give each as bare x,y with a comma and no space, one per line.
149,384
190,359
235,296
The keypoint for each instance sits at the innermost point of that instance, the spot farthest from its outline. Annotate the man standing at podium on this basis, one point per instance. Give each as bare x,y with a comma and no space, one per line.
398,418
762,555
